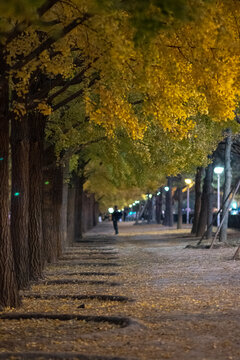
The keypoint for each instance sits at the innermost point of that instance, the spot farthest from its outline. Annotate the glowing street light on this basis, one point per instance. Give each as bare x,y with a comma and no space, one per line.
110,210
218,171
188,182
166,188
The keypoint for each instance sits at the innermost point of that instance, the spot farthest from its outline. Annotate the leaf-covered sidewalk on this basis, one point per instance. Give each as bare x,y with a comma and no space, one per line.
140,295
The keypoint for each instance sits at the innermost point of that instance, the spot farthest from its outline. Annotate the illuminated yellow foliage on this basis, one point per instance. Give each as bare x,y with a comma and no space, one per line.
44,109
113,113
157,96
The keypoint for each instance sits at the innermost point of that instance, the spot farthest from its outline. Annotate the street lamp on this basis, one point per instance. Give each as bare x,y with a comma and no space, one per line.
188,182
218,171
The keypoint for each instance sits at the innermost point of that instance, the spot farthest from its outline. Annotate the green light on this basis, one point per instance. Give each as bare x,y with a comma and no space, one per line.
16,194
46,182
1,158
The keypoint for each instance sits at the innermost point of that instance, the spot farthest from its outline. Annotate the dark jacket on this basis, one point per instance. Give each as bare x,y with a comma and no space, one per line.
116,215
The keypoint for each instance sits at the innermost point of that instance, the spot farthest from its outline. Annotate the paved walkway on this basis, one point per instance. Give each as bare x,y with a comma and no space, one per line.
138,295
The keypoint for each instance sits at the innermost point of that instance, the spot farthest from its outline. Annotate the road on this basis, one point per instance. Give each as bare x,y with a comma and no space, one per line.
139,295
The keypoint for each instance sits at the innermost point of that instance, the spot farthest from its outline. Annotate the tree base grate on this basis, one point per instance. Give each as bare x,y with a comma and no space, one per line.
81,297
39,355
87,273
88,264
116,320
89,257
73,281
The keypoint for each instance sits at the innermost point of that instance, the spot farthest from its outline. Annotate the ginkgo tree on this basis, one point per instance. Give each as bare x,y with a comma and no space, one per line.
57,53
145,163
37,60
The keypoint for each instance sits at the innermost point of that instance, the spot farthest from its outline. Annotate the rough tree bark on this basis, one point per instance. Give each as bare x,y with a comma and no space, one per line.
64,207
198,195
52,206
227,184
20,199
159,202
9,295
88,211
91,211
71,212
84,214
168,219
36,123
202,222
180,199
149,209
95,212
78,221
57,197
49,240
209,176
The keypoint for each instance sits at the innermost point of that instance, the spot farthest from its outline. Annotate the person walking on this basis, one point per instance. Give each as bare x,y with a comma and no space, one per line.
116,216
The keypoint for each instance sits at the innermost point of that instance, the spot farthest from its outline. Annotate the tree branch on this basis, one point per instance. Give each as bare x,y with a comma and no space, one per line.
74,81
68,99
94,141
48,85
74,96
77,150
137,102
20,27
46,6
50,41
41,94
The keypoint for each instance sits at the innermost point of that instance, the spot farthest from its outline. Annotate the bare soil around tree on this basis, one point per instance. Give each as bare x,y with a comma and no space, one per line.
139,295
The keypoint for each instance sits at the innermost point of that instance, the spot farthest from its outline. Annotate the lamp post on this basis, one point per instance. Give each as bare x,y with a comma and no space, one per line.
188,182
218,171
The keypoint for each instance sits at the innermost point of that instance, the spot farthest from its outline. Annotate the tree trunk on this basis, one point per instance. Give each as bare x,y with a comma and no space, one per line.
149,210
227,184
91,216
8,286
84,215
78,209
168,219
20,199
57,197
198,195
52,207
89,213
159,201
64,208
71,214
180,199
209,175
36,136
202,222
95,212
154,209
49,239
